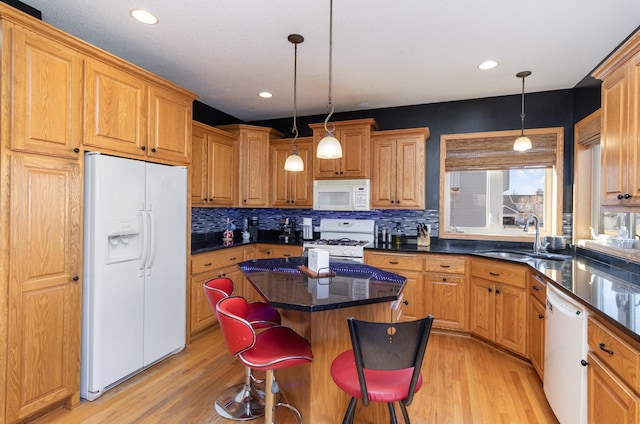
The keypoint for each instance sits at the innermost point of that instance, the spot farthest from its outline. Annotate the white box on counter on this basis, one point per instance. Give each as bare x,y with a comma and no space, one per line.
318,260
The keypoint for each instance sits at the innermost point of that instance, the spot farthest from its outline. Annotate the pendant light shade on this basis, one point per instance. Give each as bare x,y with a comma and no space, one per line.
522,143
294,161
329,147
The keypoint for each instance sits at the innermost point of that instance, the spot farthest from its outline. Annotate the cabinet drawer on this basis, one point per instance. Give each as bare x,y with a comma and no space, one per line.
445,263
623,359
394,261
212,260
500,272
538,288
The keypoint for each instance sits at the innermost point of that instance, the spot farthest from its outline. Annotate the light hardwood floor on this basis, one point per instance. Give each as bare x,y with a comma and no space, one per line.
466,381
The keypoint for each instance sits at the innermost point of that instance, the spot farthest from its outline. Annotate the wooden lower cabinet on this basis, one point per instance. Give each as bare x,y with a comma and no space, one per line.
410,266
498,308
445,291
265,251
609,399
45,290
205,266
537,311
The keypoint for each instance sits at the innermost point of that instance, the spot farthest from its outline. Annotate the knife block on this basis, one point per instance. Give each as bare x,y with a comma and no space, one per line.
424,241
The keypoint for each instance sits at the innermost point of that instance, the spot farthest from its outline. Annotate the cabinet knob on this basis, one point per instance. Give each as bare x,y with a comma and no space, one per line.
153,150
536,288
584,363
444,278
143,148
495,274
76,150
244,200
75,278
497,291
490,289
406,302
336,173
397,201
627,196
540,316
341,172
392,201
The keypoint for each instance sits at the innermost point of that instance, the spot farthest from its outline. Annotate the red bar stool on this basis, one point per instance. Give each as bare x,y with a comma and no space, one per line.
243,401
384,364
273,348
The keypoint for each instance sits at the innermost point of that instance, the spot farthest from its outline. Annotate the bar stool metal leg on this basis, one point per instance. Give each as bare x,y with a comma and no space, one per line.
242,402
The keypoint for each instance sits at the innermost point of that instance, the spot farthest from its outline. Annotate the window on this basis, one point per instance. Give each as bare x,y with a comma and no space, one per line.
488,191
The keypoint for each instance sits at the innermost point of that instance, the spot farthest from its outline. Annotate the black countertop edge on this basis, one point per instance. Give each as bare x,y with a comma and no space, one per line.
202,243
329,307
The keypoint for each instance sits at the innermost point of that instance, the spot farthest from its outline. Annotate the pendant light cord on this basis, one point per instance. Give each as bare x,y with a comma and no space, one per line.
294,146
522,113
330,103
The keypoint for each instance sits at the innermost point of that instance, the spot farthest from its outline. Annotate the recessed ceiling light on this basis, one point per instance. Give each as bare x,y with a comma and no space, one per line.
488,64
143,16
265,94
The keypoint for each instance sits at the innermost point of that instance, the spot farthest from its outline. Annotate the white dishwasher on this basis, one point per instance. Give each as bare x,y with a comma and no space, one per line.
565,378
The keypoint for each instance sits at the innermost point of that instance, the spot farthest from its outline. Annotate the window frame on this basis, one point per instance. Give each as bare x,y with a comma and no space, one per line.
555,183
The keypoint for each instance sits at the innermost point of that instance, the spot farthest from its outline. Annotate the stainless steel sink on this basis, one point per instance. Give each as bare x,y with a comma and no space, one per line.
521,255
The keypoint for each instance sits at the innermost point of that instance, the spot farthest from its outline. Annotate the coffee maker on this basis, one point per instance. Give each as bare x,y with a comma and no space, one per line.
288,228
253,228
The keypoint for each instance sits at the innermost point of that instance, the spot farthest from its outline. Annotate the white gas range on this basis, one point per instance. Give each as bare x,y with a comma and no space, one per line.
344,238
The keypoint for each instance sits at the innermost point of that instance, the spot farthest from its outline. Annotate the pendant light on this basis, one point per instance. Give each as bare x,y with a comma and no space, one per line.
522,143
329,147
294,161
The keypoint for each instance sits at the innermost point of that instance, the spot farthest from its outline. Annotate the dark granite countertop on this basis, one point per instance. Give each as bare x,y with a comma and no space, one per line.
608,286
354,284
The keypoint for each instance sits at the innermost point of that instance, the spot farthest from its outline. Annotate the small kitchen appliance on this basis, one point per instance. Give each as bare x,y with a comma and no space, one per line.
344,238
253,228
288,228
307,229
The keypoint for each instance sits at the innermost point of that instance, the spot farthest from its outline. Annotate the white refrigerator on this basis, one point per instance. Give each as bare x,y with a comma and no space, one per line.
134,276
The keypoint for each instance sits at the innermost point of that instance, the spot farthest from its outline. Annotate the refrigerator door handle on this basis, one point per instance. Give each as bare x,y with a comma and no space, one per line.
151,253
145,240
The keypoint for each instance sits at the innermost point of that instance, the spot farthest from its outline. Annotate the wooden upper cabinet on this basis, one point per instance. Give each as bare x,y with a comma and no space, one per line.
169,125
116,109
44,296
214,167
620,75
398,169
127,114
47,95
254,163
291,189
355,138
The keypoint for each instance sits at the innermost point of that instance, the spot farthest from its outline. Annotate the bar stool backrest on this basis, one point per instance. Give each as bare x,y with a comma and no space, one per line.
237,331
217,289
389,346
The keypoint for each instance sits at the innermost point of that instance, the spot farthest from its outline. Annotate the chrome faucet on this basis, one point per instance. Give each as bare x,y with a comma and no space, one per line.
536,244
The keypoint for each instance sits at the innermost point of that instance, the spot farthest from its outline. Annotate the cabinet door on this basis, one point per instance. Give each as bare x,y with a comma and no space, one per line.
324,168
301,183
355,153
445,298
202,314
115,108
199,168
383,173
482,308
254,151
47,96
615,122
169,126
511,318
609,400
410,173
222,171
280,186
536,335
44,287
634,133
413,307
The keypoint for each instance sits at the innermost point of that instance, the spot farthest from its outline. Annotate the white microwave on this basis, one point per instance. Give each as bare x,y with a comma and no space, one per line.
341,195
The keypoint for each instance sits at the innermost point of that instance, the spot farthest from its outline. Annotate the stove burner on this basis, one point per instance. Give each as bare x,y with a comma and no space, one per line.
340,242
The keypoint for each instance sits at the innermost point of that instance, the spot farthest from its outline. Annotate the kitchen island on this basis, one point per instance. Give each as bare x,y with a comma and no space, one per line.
317,309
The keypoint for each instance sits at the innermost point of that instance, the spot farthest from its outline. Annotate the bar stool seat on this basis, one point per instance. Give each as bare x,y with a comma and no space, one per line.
274,348
244,401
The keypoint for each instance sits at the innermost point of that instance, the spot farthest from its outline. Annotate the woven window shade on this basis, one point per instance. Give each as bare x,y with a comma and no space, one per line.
495,151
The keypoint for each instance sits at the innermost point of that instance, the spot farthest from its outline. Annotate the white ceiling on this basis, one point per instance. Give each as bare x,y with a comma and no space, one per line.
385,53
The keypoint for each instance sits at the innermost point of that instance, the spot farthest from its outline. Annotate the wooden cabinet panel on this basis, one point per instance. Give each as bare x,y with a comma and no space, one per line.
116,109
449,264
445,298
398,169
500,272
511,318
355,138
609,400
214,167
537,312
169,125
392,261
265,251
46,96
291,189
482,308
413,297
44,285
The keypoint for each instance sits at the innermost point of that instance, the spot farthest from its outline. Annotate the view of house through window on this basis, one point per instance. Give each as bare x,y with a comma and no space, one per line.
495,201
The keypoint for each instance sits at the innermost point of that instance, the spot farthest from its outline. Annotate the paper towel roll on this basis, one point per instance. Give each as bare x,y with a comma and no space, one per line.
318,260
